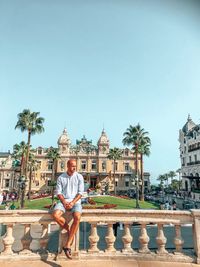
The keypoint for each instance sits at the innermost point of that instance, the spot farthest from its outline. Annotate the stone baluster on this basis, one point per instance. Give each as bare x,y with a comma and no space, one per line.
144,239
161,240
26,239
93,238
178,241
8,240
196,234
127,238
44,238
110,238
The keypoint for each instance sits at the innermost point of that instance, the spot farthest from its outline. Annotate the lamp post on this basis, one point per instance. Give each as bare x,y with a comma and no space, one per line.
135,183
22,186
137,191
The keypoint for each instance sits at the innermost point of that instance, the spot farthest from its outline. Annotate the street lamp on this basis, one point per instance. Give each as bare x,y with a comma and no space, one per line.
137,191
22,185
135,182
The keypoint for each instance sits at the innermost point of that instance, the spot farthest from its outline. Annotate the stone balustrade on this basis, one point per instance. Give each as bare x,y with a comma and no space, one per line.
18,246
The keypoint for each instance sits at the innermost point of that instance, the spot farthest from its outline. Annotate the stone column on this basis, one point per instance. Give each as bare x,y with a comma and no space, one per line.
26,239
161,240
8,240
93,238
44,239
144,239
110,238
178,241
196,233
127,238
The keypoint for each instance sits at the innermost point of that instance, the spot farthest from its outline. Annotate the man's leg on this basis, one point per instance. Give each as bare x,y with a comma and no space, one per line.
57,215
73,228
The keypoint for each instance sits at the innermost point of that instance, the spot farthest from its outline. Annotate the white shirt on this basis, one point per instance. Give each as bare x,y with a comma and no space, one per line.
70,186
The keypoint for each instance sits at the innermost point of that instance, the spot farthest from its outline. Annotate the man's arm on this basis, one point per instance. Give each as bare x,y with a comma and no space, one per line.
80,190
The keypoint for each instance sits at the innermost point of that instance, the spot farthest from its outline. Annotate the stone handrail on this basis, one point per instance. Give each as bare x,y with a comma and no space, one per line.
96,217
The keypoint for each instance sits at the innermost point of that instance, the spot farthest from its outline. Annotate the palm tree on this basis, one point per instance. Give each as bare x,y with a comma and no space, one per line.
135,136
33,165
114,154
76,149
144,150
89,148
53,154
162,178
30,122
19,152
171,175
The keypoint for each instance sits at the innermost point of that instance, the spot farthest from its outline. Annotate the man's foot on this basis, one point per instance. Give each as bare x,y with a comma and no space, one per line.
68,253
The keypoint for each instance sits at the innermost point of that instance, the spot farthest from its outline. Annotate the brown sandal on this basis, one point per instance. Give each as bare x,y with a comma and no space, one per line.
68,253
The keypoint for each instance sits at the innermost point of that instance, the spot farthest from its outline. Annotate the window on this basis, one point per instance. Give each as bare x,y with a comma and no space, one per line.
39,151
50,165
94,165
116,166
6,183
83,165
126,184
183,161
190,159
195,158
126,152
104,166
126,166
62,165
116,183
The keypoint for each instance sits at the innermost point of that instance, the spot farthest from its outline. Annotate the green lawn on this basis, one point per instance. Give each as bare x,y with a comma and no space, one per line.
120,202
123,203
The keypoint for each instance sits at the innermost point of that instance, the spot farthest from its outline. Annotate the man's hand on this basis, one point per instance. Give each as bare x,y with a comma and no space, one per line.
68,205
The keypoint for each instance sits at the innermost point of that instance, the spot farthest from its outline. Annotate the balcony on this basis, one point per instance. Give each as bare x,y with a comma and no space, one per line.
193,162
33,242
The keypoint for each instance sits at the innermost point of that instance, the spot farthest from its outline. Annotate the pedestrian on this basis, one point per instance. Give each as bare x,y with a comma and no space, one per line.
69,189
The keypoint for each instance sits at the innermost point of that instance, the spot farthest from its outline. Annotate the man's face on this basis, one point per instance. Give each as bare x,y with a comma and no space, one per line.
71,167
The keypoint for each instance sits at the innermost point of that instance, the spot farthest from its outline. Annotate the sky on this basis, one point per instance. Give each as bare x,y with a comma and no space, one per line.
89,64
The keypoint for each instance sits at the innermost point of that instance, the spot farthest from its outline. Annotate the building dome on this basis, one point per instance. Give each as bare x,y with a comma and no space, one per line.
64,138
188,125
103,140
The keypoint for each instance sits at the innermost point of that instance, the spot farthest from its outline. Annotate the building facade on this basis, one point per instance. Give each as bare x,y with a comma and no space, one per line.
92,163
189,138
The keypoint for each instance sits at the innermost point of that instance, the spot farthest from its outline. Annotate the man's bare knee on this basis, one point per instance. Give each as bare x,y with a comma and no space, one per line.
77,217
57,214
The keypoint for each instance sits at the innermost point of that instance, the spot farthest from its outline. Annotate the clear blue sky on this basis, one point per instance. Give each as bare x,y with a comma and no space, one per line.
88,63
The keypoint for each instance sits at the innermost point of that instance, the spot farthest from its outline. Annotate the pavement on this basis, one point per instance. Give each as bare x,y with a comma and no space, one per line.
96,263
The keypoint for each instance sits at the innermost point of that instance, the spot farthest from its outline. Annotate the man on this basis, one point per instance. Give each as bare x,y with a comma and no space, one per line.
69,189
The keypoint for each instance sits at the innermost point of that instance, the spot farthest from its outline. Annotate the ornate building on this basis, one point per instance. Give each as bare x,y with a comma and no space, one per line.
189,138
7,172
92,163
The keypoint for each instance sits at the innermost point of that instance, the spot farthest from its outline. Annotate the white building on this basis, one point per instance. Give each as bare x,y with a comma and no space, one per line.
189,138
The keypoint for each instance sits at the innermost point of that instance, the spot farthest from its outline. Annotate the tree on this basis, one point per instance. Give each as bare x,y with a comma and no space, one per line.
114,154
162,179
33,124
19,153
54,156
89,149
144,150
33,165
76,149
135,136
30,122
171,175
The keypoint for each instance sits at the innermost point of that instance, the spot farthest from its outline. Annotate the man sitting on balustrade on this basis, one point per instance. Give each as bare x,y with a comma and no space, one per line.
69,189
